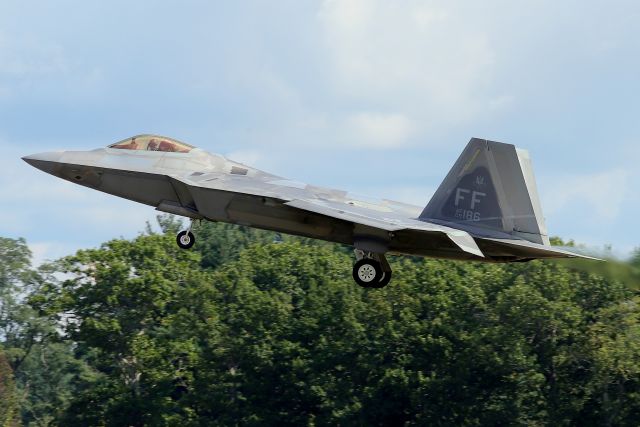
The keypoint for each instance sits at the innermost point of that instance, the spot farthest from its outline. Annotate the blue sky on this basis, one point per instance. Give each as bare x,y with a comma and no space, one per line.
371,96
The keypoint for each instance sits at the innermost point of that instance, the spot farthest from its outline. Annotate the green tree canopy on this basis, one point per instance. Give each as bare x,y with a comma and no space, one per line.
8,395
253,328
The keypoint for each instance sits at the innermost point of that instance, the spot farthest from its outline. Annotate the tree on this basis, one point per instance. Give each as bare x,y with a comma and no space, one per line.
277,334
119,308
8,395
41,369
15,278
635,258
614,342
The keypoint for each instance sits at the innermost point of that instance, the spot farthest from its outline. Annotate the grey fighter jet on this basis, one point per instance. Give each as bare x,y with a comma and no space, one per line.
486,209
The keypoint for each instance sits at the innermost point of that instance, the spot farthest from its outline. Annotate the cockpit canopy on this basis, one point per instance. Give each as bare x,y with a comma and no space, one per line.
153,143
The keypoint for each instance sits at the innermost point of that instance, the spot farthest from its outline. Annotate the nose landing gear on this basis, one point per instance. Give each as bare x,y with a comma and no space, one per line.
371,270
185,239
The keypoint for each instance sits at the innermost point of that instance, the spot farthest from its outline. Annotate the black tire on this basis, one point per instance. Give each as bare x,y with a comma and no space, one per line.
367,273
185,239
384,280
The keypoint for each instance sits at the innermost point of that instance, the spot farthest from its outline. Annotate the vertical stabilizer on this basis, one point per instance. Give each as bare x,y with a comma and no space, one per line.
491,187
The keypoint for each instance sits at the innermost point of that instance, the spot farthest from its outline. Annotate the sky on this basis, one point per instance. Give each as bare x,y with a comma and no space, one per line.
370,96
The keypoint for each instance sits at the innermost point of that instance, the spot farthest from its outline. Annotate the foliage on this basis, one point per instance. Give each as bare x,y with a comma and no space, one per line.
611,268
15,274
270,330
635,259
43,369
8,398
219,243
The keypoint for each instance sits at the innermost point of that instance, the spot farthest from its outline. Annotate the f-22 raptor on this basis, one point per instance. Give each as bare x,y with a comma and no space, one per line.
486,209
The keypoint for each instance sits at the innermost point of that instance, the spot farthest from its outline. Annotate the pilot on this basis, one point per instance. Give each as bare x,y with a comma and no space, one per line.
133,145
153,145
167,146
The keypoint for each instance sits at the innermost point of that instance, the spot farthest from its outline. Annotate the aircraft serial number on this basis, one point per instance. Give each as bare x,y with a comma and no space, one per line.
467,215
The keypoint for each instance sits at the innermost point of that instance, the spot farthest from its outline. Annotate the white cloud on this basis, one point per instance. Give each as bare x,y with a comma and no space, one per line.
304,89
42,252
427,58
374,130
592,197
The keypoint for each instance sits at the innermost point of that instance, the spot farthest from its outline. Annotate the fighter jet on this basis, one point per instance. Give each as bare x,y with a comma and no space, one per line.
486,209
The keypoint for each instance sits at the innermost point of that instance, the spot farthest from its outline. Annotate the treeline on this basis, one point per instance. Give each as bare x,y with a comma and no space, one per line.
253,328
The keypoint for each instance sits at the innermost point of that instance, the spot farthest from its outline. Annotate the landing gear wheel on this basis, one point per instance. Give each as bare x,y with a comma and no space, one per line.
384,280
367,273
185,239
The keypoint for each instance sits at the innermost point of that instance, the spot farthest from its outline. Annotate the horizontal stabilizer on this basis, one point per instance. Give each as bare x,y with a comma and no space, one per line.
530,250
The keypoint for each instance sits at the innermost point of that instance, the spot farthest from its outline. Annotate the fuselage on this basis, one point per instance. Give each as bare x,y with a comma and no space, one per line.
184,180
198,184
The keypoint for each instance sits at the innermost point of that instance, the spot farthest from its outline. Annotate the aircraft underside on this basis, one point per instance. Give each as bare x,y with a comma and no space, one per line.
371,245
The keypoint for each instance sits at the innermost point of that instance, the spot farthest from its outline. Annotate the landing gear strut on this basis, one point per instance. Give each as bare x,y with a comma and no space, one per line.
185,238
371,270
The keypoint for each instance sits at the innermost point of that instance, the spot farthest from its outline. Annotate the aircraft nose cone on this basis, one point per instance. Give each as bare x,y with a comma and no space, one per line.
47,162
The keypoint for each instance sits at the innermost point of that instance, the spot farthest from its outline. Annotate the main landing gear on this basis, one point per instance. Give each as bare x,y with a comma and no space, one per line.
185,238
371,270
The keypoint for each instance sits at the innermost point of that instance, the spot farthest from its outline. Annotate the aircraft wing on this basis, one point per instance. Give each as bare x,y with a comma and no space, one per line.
529,249
380,216
334,204
390,221
385,220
